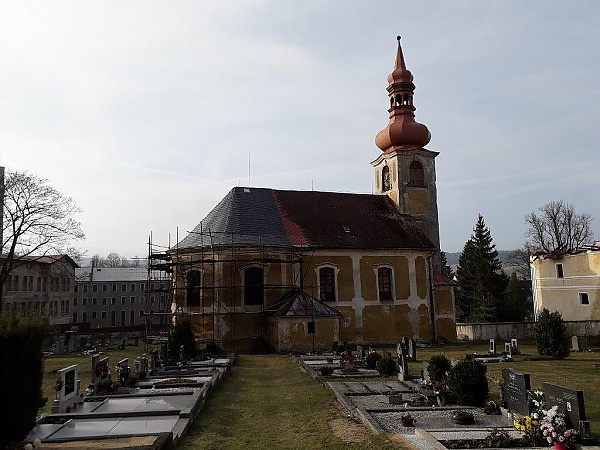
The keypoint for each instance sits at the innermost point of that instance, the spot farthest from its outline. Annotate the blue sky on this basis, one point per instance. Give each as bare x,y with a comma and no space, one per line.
146,112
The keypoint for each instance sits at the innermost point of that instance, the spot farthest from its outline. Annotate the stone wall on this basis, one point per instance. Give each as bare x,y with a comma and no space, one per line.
519,330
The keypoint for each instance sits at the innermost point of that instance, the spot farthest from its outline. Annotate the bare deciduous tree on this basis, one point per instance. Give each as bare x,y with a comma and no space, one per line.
558,228
37,220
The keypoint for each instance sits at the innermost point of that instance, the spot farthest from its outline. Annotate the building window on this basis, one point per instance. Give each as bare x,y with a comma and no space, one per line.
131,300
311,328
104,300
384,283
253,286
104,288
84,287
94,315
76,288
386,182
94,300
132,318
132,287
75,301
123,300
584,298
113,301
142,287
559,271
74,317
123,315
114,287
103,314
327,284
113,318
416,174
194,279
84,318
84,302
95,288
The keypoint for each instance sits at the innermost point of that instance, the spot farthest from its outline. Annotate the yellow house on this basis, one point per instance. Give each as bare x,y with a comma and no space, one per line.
567,283
365,268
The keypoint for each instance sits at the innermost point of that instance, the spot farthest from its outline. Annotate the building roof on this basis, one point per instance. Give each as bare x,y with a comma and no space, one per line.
297,303
109,274
44,259
313,219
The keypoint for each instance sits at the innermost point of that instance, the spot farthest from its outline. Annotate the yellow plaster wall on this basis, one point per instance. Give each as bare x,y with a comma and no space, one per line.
291,334
446,329
386,323
345,284
421,276
581,274
417,202
443,301
368,271
424,322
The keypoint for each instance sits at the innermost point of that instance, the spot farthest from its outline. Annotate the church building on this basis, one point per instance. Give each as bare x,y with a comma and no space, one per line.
298,270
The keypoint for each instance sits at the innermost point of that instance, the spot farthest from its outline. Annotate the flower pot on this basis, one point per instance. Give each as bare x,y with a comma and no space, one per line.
560,446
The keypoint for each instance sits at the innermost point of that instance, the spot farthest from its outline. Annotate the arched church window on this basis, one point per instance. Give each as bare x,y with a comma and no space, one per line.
254,286
384,283
417,175
193,288
327,284
386,183
405,99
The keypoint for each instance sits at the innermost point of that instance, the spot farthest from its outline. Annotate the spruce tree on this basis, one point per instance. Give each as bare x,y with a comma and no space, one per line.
481,282
446,269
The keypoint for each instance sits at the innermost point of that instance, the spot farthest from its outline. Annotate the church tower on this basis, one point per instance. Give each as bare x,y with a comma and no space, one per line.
405,171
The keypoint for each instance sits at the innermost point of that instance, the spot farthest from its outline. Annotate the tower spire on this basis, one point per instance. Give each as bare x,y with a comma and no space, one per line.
402,132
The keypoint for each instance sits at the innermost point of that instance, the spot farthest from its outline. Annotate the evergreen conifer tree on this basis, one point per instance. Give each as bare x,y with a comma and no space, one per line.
481,282
446,269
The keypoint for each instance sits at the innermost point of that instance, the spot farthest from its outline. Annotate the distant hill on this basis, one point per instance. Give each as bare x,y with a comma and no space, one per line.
502,254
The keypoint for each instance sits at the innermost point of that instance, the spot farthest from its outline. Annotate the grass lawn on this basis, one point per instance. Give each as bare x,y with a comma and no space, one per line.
270,402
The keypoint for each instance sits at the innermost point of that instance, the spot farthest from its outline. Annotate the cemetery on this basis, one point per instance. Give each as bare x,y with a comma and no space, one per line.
142,404
421,408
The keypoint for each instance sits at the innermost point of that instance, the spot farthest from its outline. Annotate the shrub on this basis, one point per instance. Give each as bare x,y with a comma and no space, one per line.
326,370
386,366
437,367
182,334
467,380
22,373
551,335
211,348
372,359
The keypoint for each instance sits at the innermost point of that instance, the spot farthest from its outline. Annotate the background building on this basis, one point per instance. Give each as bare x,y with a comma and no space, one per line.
43,286
568,283
106,297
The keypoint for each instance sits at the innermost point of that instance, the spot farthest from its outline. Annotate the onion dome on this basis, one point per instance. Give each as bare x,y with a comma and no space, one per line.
403,132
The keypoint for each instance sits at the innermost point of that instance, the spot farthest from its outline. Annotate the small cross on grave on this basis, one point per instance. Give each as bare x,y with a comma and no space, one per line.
492,349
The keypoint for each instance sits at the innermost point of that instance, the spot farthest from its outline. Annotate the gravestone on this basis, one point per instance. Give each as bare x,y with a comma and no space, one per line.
164,357
95,361
143,367
401,349
575,344
515,346
412,350
514,392
123,369
402,367
569,402
492,346
508,350
360,352
68,395
425,373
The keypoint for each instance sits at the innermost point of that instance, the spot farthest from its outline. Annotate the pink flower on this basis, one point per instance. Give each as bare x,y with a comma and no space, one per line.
549,439
561,439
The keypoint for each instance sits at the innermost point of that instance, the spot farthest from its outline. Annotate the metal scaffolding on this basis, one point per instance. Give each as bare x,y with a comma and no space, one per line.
221,260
